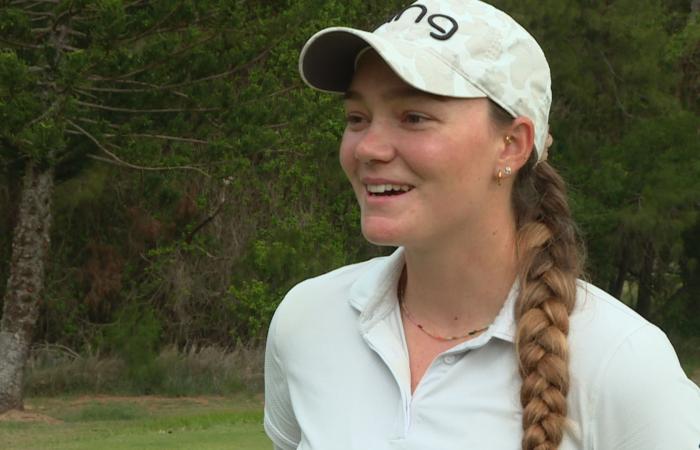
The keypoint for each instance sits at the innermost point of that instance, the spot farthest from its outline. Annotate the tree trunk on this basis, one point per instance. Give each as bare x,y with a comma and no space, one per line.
645,282
30,246
616,286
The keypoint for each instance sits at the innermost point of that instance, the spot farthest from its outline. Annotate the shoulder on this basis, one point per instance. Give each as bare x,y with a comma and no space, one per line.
337,279
603,330
326,289
627,377
317,305
600,317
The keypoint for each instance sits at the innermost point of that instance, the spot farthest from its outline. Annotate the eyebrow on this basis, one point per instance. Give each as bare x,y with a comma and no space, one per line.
396,93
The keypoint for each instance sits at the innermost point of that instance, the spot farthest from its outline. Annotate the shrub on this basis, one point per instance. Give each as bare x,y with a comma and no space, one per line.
55,370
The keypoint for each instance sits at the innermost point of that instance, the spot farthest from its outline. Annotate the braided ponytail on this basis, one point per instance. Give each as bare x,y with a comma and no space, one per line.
550,263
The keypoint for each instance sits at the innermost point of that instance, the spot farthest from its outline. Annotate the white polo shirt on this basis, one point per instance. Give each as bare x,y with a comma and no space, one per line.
337,376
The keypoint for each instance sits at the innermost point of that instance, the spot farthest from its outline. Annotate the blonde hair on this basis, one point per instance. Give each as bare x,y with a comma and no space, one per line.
550,261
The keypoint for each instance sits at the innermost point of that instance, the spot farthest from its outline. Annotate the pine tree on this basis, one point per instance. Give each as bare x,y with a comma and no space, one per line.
111,81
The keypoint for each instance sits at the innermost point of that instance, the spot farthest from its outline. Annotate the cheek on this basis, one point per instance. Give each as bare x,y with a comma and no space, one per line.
446,159
460,165
347,156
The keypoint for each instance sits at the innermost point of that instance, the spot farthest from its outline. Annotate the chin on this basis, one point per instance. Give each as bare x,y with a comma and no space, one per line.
382,242
381,234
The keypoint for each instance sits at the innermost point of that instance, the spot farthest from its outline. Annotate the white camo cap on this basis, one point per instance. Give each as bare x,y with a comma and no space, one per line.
453,48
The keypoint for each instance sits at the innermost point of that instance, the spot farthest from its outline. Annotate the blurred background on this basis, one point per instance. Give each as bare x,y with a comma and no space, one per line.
187,178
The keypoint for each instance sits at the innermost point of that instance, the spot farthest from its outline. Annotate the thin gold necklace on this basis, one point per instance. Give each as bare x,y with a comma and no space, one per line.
400,294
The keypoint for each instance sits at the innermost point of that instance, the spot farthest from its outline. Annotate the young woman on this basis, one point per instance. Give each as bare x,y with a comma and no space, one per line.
476,333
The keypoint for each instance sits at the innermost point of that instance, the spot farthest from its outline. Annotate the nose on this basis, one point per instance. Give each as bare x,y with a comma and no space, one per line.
375,145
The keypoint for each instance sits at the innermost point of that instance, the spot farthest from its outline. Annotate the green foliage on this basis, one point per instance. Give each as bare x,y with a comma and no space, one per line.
624,120
144,257
251,304
135,337
277,261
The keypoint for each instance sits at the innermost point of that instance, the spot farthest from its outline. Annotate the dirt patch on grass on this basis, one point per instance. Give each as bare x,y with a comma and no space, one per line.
91,407
15,415
148,402
140,399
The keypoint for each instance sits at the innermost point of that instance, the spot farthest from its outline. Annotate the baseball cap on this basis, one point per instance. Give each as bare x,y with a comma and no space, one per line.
453,48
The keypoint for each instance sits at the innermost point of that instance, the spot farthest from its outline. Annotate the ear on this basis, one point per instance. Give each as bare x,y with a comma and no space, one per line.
518,144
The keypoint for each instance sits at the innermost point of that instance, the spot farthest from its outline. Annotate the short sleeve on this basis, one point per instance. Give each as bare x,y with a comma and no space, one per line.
644,401
280,422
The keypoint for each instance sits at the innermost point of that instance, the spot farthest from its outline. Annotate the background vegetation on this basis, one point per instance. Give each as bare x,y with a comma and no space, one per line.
196,178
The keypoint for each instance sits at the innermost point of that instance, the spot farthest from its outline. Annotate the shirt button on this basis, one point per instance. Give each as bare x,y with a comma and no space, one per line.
449,359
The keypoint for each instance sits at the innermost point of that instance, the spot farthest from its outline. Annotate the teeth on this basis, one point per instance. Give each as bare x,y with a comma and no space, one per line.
381,188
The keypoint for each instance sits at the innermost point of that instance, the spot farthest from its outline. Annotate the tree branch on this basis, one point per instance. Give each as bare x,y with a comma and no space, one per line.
38,14
121,163
274,94
95,122
131,90
614,83
204,222
134,3
151,87
19,44
143,111
48,111
155,25
163,61
31,4
87,94
114,159
162,31
169,87
276,126
161,136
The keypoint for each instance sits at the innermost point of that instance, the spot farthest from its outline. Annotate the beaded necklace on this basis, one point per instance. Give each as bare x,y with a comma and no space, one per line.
400,294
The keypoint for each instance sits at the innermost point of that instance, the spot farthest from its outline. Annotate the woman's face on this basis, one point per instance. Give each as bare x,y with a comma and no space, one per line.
422,167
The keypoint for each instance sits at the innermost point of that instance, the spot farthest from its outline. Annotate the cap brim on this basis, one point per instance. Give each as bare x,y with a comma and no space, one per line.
327,63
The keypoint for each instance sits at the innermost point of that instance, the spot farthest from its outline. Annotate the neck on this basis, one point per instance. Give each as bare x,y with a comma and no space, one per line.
462,285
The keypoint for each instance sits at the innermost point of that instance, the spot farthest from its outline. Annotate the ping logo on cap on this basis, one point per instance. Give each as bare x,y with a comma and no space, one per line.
440,33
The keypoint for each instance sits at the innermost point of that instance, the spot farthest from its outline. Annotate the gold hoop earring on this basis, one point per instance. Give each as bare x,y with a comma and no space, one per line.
499,176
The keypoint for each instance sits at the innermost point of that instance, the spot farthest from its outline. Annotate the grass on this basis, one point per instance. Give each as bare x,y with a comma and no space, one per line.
67,407
139,423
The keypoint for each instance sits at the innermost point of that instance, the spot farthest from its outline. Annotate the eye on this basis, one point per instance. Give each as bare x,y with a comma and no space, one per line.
354,120
414,118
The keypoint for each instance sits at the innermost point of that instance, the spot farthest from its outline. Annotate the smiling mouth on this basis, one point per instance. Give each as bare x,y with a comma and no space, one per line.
386,190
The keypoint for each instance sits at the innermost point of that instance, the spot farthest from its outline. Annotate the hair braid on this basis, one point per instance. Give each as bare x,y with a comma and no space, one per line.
550,263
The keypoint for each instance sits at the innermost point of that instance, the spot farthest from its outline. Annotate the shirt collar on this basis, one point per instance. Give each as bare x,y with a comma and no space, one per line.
373,295
503,326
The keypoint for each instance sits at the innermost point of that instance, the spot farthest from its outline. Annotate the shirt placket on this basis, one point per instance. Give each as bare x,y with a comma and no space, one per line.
382,339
